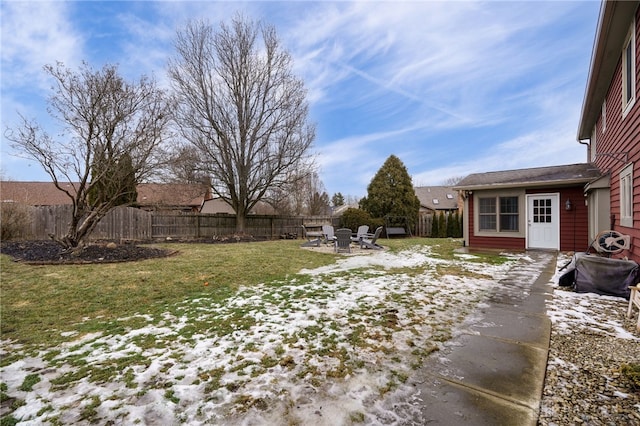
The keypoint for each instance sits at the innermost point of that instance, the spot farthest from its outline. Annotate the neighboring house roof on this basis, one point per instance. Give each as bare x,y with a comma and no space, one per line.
171,194
613,25
339,211
217,206
534,177
33,193
437,197
149,194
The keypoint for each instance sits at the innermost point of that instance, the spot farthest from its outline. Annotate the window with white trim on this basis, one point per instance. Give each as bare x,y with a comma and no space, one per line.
498,214
626,196
509,214
487,214
629,70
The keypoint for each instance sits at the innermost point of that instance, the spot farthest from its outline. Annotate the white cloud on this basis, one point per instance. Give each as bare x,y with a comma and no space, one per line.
449,87
35,34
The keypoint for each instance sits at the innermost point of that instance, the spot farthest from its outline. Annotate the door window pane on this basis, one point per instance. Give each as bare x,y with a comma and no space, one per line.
543,213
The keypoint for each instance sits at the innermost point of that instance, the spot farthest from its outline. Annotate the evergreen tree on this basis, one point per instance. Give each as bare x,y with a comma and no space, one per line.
434,225
457,228
450,225
442,225
115,180
337,200
391,193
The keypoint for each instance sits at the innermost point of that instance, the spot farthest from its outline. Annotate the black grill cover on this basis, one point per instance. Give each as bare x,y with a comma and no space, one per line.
602,275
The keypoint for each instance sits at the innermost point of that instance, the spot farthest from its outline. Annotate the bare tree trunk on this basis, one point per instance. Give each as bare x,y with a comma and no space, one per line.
110,141
243,109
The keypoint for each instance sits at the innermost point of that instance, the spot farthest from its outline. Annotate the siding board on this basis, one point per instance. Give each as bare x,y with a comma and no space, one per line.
619,144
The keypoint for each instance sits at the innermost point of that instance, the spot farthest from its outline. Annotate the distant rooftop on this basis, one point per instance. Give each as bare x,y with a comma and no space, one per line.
46,194
437,197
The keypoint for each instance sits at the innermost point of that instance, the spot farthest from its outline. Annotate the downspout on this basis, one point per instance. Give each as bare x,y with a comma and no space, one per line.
588,144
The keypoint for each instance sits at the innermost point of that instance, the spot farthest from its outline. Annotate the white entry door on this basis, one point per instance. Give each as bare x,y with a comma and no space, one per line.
543,221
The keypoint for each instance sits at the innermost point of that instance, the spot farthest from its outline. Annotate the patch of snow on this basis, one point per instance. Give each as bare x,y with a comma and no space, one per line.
322,351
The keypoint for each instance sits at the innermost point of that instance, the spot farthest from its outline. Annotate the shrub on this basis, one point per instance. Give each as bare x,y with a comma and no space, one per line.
15,222
435,225
352,218
632,373
442,225
450,225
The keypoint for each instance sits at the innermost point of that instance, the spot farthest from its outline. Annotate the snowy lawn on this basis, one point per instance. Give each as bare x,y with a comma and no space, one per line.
589,313
325,346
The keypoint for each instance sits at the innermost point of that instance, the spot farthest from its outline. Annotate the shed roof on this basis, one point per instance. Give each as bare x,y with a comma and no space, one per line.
534,177
437,197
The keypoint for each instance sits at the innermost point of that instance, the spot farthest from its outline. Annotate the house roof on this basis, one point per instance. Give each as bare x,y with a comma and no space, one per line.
217,206
534,177
149,194
613,26
437,197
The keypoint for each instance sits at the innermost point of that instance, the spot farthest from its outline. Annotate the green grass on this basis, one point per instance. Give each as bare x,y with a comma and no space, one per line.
38,303
29,381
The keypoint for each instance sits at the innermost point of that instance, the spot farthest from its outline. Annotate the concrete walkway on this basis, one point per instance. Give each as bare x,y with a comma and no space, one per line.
492,373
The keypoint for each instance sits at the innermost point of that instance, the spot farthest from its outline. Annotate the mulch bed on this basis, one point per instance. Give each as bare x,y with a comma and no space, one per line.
50,252
43,252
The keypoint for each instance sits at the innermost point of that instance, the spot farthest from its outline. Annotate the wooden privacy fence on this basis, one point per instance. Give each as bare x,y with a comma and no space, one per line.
423,225
127,223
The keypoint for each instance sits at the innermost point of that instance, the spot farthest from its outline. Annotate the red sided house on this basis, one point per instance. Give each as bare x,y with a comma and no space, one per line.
565,207
537,208
610,123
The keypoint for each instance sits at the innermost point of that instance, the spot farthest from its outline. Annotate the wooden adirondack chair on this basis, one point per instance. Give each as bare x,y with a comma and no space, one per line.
329,235
343,240
361,233
371,242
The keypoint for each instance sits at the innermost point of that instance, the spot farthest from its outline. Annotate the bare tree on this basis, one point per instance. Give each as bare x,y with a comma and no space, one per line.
317,199
185,166
111,133
452,181
304,194
242,107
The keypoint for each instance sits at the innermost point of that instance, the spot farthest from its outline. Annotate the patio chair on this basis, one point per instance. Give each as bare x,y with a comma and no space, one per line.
343,240
371,242
361,233
329,235
313,238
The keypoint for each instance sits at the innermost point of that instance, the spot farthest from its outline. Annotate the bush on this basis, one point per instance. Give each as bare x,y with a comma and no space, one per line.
442,225
632,373
435,225
450,225
352,218
457,225
16,220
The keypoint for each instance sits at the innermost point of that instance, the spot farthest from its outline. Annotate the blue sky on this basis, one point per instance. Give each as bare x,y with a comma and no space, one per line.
451,88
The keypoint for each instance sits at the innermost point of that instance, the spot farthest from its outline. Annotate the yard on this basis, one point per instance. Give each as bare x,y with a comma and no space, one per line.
248,333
